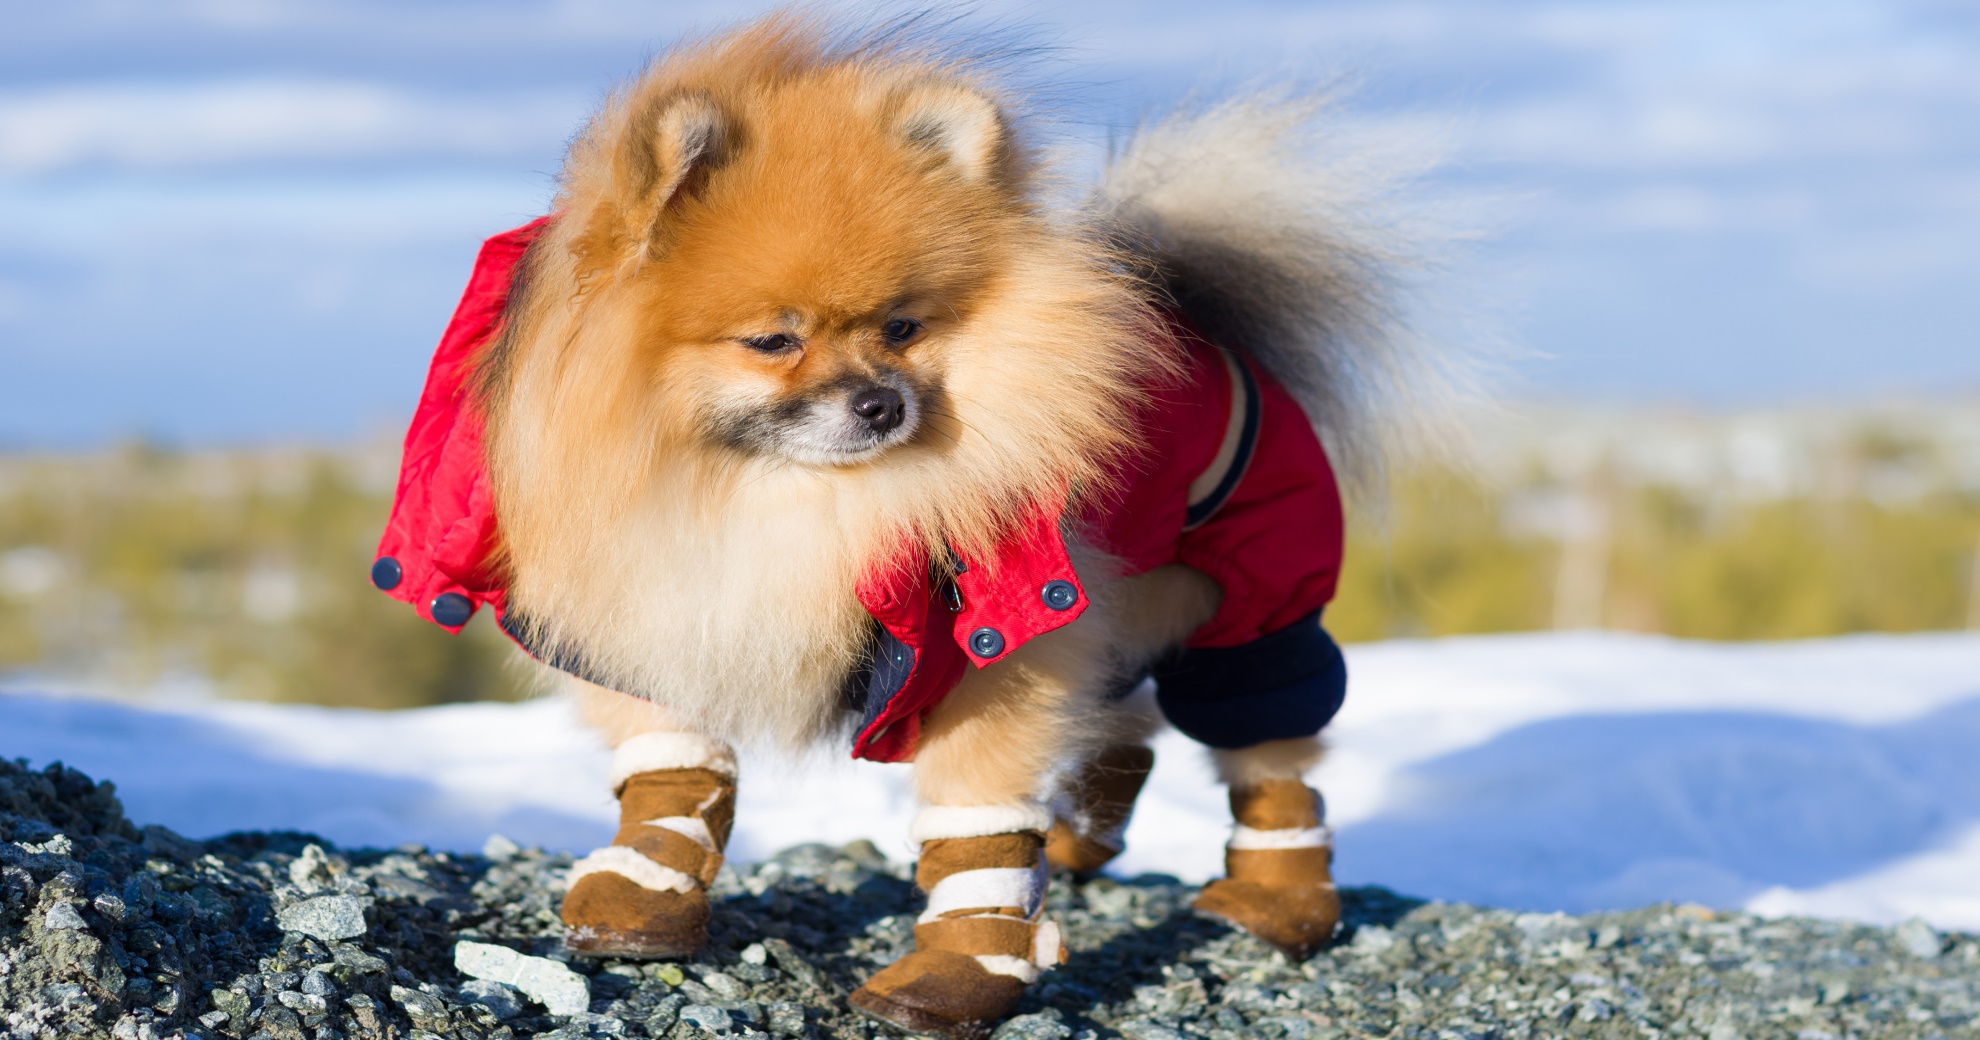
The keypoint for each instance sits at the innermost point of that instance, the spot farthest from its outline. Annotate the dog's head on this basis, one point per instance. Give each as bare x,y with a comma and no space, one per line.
785,261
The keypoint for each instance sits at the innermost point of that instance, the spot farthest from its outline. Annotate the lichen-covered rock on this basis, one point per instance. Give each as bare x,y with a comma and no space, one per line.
140,934
560,990
324,917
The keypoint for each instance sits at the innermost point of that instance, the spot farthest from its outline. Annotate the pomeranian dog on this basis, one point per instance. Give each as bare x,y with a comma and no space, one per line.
817,411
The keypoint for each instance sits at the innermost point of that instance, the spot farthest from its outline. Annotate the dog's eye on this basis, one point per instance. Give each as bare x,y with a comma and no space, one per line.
775,343
900,330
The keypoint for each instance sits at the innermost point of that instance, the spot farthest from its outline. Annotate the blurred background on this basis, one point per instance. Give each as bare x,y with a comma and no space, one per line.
1732,246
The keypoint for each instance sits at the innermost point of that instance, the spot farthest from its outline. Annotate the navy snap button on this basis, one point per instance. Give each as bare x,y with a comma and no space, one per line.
452,609
1060,595
986,642
386,573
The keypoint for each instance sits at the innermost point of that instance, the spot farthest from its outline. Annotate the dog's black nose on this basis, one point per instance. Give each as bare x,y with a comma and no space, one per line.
880,408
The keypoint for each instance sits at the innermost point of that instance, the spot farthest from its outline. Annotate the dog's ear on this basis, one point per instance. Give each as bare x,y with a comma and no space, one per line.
681,139
664,157
956,124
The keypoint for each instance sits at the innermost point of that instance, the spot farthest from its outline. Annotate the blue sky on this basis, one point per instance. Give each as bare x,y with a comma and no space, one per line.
235,220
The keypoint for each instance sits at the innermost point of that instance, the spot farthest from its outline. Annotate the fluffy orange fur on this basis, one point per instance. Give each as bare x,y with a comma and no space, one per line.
768,184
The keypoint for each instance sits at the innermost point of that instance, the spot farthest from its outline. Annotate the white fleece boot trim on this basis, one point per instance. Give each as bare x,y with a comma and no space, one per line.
691,827
939,822
1047,951
650,751
1251,839
629,864
1019,887
1016,967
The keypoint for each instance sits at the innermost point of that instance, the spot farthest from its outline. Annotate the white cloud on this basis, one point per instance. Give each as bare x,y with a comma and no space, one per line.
150,125
112,221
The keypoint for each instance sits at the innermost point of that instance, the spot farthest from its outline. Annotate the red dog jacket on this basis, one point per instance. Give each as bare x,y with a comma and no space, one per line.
1228,478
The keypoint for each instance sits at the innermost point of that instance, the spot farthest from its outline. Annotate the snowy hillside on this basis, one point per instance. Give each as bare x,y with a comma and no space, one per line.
1573,772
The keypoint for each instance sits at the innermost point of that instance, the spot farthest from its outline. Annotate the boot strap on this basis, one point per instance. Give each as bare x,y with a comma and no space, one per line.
1020,889
671,848
673,824
1002,944
1281,838
634,867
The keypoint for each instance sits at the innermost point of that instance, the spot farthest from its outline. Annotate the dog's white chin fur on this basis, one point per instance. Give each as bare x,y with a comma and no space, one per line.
844,457
830,437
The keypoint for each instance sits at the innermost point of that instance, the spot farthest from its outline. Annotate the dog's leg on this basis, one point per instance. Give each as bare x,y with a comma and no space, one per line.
982,756
1278,883
645,895
1090,814
1152,612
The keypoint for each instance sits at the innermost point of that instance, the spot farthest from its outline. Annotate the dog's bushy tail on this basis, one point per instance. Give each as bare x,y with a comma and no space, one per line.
1276,237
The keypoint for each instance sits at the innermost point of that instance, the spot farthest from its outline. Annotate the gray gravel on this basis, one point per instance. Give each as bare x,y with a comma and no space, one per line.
107,929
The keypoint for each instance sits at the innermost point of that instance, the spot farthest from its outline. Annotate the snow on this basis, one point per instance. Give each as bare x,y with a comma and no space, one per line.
1572,772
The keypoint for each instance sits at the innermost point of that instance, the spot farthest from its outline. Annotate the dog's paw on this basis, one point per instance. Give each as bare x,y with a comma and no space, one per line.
939,993
606,915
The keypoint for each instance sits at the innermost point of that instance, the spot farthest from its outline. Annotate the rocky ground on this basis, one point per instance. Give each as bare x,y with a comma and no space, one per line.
136,933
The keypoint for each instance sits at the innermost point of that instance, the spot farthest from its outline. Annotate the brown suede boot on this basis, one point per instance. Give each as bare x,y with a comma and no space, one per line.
645,895
1089,829
1278,885
981,940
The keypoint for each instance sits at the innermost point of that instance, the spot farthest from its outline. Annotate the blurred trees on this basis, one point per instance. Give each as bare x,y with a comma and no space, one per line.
1456,555
145,568
141,569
